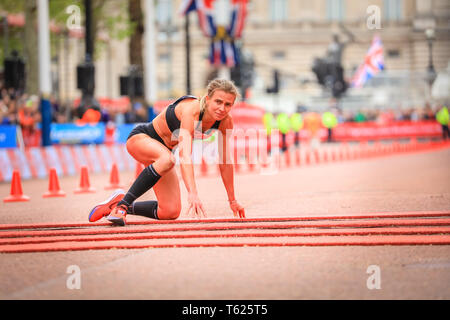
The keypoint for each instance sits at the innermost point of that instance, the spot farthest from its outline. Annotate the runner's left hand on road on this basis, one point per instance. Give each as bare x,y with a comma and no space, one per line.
238,210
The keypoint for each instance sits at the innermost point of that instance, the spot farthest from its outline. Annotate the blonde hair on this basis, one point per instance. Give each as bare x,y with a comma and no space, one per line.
227,86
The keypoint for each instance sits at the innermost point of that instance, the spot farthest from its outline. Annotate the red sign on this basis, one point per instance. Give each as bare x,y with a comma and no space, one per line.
393,130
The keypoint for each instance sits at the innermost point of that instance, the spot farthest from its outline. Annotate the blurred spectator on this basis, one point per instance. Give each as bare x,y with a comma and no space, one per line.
138,114
4,94
91,116
312,122
371,115
347,116
61,117
4,113
428,113
340,116
405,115
77,112
59,111
360,117
105,115
29,116
414,115
119,119
442,117
131,114
55,108
385,117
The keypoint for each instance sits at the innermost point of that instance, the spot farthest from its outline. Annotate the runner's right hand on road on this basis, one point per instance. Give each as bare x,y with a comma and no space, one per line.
195,206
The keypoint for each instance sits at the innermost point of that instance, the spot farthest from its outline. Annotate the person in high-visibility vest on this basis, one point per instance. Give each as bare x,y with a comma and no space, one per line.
442,117
296,120
329,121
284,126
269,122
312,124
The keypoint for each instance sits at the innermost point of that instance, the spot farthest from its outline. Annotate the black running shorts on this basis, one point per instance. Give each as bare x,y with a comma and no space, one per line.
149,130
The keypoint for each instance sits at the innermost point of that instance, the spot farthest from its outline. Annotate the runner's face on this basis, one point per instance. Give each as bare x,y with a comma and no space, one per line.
219,104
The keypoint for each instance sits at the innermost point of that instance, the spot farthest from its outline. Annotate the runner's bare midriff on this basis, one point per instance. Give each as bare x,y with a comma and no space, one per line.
162,129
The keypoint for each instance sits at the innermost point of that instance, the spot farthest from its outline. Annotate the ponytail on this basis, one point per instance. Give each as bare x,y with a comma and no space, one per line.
203,104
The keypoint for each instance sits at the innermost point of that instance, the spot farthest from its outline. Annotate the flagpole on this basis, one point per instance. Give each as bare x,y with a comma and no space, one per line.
150,54
222,13
188,54
45,84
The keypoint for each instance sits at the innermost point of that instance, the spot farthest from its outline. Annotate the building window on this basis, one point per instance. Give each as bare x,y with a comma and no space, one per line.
278,55
164,84
393,53
164,12
278,10
335,10
393,10
164,57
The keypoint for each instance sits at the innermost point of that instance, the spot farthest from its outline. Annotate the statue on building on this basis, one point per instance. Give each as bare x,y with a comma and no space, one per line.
329,70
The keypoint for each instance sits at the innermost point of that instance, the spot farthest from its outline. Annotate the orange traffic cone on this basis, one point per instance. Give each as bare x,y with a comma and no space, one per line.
316,155
204,167
237,166
16,193
53,185
297,157
114,182
264,160
308,157
276,158
413,143
85,186
325,156
333,155
287,158
251,162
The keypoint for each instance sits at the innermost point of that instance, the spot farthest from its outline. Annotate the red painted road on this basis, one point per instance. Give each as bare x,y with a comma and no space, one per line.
187,235
268,219
324,241
311,232
414,228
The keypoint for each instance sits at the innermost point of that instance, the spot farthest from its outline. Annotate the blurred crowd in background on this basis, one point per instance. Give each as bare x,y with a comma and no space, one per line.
419,113
23,110
18,108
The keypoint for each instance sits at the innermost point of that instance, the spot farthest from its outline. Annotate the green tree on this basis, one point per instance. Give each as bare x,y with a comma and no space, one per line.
111,17
25,40
30,45
137,31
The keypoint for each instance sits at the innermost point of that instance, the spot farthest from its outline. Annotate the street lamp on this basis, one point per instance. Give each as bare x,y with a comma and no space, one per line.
5,36
431,73
86,70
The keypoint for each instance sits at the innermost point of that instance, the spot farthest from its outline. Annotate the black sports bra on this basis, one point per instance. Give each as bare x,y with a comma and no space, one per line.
172,121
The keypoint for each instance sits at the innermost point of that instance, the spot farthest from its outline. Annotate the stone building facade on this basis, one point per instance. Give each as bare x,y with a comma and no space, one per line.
286,35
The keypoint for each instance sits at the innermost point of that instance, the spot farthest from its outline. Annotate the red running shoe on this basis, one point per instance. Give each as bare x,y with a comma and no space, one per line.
118,215
103,209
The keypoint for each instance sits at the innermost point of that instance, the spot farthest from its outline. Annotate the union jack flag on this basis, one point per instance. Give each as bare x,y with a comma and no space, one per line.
238,15
373,63
222,49
187,6
204,10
